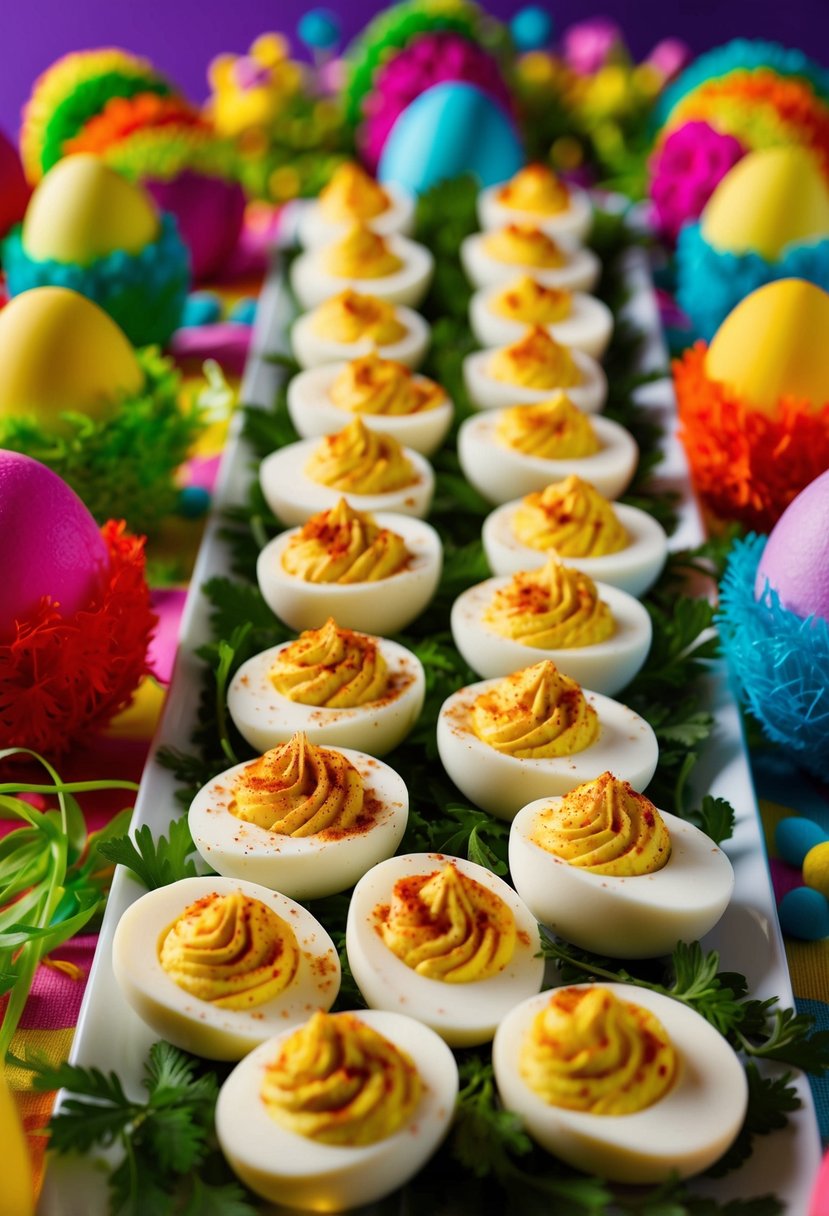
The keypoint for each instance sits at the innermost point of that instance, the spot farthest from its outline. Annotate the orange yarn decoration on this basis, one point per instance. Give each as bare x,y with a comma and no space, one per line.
122,116
64,676
746,466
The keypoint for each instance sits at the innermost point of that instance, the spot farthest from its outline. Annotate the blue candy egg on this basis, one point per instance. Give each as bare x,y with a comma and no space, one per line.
201,308
193,502
804,913
319,29
244,311
532,28
795,836
451,129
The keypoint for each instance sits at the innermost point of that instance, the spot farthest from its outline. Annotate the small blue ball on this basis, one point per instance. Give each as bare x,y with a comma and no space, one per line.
320,29
201,308
244,311
532,28
804,913
193,502
795,836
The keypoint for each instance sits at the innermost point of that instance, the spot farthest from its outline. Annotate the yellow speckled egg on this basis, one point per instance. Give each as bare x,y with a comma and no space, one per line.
83,210
59,351
769,347
770,199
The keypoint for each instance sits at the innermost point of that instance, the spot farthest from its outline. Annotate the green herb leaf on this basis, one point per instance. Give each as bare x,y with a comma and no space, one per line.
155,863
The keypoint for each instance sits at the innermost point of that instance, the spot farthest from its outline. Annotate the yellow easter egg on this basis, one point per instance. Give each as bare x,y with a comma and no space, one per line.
773,345
770,199
816,868
83,210
59,351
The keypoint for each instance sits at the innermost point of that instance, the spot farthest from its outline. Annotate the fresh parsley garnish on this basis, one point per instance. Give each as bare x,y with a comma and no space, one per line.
155,861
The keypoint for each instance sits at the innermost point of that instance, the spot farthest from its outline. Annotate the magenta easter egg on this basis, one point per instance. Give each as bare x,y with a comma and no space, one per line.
795,560
49,543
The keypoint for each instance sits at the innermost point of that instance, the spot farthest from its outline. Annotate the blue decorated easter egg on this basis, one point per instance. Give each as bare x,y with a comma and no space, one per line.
804,913
795,836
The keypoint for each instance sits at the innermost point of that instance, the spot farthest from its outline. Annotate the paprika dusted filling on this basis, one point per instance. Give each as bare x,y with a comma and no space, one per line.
554,608
535,188
350,316
361,461
344,546
361,254
372,385
535,361
550,430
572,517
524,245
332,668
352,194
537,713
530,302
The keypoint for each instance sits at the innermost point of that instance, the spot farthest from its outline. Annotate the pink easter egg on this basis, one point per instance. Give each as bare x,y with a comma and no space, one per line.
795,560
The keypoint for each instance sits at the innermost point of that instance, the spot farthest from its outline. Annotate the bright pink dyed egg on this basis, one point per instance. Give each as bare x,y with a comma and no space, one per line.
796,557
49,543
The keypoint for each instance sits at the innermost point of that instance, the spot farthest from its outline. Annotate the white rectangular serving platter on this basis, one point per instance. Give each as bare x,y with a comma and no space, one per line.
110,1036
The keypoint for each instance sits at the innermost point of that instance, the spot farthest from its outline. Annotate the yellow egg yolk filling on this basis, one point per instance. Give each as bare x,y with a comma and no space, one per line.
572,517
446,926
524,245
344,546
351,316
299,789
535,714
230,950
591,1052
361,254
352,194
358,460
338,1081
372,385
606,827
554,608
535,361
532,303
331,668
535,188
550,430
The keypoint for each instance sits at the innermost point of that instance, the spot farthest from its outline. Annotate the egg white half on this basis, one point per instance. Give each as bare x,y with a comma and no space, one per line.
502,784
463,1014
200,1026
684,1132
633,569
313,284
580,272
606,667
501,473
298,1172
314,413
643,916
588,327
385,607
574,221
301,867
314,228
266,718
487,393
313,350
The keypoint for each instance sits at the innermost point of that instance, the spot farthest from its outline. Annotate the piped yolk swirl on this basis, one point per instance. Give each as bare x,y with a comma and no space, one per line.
551,430
535,188
299,789
524,245
351,316
337,1081
589,1051
352,194
373,385
446,926
361,254
532,303
358,460
554,608
572,517
606,827
230,950
535,714
535,361
332,668
344,546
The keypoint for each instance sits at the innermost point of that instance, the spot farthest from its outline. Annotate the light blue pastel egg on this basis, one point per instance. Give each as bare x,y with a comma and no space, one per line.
795,836
201,308
451,129
532,28
804,913
319,29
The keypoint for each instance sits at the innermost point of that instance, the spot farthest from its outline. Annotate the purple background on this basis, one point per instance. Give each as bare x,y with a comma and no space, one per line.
181,36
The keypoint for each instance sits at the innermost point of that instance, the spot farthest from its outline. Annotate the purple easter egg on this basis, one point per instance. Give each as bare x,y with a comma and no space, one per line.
795,560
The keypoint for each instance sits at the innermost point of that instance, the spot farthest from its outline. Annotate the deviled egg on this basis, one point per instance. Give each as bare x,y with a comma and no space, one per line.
499,315
352,195
605,869
620,1081
390,400
496,257
445,941
371,471
507,453
354,567
536,733
530,370
340,1112
301,819
393,268
611,542
351,324
536,195
341,688
596,634
217,965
